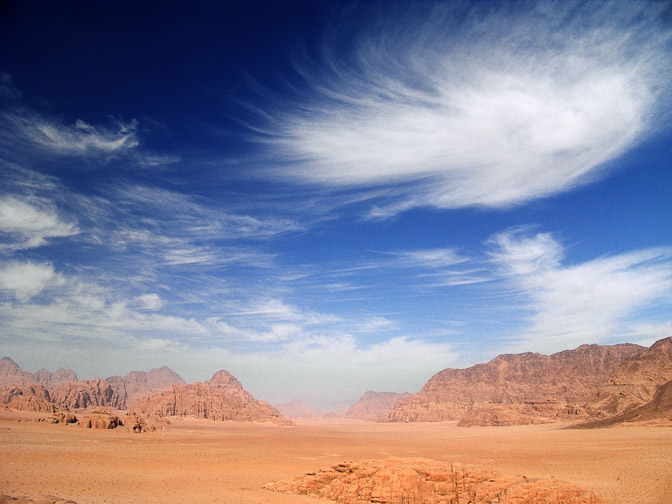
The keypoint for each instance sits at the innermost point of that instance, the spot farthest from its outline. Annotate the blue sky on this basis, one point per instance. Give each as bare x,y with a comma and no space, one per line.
326,198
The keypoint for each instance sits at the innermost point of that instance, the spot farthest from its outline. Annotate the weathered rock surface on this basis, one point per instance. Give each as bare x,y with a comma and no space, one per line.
12,374
422,481
100,420
86,394
220,398
139,384
633,383
374,405
555,385
32,397
298,409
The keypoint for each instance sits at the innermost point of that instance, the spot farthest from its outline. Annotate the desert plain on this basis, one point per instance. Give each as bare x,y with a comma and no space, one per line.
203,461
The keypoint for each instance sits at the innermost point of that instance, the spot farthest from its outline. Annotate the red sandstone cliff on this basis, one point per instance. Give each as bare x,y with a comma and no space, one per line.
220,398
553,387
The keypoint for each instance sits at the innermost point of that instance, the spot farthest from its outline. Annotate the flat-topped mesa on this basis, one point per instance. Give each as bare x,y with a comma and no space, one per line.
374,405
220,398
553,387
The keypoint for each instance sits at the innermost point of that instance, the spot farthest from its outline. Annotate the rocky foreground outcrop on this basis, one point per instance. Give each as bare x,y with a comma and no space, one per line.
550,387
42,499
220,398
422,481
374,405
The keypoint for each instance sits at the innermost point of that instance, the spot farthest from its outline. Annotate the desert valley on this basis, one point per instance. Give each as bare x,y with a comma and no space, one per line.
588,425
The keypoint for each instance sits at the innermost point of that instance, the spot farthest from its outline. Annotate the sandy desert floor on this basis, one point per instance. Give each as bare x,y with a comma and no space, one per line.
199,461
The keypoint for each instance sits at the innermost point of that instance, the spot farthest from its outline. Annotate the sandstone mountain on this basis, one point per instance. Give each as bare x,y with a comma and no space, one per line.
85,394
52,380
374,405
422,481
298,409
634,382
140,383
553,387
12,374
220,398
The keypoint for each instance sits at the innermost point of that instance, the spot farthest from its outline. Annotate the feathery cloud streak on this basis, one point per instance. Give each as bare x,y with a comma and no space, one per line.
477,106
592,301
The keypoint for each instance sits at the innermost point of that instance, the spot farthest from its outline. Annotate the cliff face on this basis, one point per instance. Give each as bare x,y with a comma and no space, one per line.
12,374
220,398
33,397
139,384
634,382
52,380
423,481
553,386
85,394
374,405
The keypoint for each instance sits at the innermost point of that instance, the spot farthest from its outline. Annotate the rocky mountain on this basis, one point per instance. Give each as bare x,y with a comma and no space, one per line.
424,481
12,374
374,405
298,409
51,380
633,383
220,398
86,394
552,386
139,384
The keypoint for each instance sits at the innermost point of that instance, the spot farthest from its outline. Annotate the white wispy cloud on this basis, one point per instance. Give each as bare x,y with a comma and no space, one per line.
28,279
593,301
78,138
29,222
477,106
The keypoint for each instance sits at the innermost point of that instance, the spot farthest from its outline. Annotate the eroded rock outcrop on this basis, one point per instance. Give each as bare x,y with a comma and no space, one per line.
220,398
87,394
555,386
52,380
374,405
32,397
100,420
41,499
422,481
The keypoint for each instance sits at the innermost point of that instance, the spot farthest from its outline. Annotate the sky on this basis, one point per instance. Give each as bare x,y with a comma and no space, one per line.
325,198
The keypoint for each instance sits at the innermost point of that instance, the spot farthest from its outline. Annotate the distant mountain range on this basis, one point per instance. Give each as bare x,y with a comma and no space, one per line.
591,386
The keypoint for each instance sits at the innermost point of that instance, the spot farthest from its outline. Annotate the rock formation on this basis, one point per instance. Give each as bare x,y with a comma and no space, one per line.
374,405
297,409
634,382
86,394
554,386
52,380
12,374
100,420
139,384
32,397
220,398
422,481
